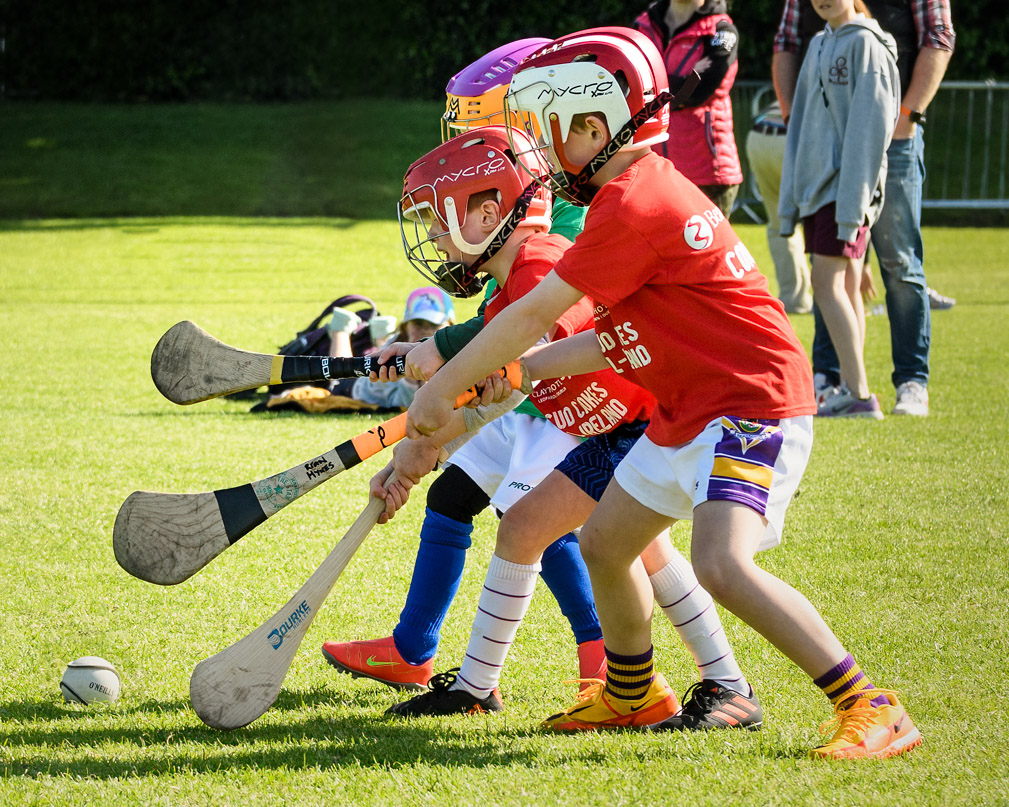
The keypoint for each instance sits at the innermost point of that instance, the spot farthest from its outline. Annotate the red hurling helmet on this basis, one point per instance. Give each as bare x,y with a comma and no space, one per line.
614,71
437,189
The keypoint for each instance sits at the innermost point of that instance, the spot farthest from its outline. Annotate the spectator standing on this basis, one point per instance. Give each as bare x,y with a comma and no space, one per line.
765,150
925,39
699,36
845,107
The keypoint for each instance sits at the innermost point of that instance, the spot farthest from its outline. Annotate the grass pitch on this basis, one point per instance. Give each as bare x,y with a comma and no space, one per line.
898,534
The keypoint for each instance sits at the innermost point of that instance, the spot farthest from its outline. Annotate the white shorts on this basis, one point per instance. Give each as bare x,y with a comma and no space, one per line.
756,463
511,455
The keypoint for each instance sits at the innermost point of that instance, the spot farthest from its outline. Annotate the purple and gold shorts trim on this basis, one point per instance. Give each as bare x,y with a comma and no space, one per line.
744,460
756,463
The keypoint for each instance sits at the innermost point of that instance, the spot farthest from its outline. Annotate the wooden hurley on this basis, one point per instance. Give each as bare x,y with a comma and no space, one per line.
189,365
165,538
234,687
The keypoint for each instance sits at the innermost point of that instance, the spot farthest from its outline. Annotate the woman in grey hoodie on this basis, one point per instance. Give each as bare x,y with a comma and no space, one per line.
846,105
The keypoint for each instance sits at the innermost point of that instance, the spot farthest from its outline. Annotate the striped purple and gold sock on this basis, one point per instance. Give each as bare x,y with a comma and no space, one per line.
628,677
844,681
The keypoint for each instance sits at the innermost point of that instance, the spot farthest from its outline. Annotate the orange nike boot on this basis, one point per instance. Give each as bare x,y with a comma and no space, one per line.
379,660
598,709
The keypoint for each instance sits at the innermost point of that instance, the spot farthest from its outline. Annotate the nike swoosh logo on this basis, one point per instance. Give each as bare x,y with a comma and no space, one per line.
638,708
896,728
372,663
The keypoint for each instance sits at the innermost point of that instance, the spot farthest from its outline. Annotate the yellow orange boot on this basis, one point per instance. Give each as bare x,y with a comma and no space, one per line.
597,708
864,731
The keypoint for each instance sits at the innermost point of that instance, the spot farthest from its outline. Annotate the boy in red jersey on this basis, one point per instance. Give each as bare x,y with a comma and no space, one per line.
681,310
507,455
469,197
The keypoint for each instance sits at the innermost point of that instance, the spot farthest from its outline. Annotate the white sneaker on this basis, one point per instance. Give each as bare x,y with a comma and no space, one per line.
823,389
939,302
381,328
343,321
912,399
846,405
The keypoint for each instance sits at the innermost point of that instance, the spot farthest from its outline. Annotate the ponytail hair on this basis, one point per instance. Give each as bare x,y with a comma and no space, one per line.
862,8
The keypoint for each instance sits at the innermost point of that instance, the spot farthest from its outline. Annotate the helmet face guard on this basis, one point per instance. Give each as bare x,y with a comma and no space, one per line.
417,227
436,194
454,277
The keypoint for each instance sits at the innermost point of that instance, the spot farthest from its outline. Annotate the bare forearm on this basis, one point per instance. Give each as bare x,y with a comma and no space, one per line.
785,72
575,355
507,336
929,68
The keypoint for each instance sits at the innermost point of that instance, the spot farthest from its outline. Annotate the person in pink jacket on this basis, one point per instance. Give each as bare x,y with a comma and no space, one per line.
699,36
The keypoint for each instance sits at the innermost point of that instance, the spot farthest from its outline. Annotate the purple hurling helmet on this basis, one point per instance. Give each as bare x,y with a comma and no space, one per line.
476,93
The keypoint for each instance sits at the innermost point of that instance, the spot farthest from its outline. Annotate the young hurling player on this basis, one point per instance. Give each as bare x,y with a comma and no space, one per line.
457,199
689,318
612,413
475,96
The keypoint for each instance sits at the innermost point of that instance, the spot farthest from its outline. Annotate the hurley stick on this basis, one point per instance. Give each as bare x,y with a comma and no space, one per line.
234,687
189,365
165,538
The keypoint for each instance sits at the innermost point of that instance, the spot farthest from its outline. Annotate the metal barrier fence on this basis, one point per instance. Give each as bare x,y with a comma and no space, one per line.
966,139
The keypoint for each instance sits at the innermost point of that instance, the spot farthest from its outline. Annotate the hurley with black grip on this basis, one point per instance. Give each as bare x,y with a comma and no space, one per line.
189,365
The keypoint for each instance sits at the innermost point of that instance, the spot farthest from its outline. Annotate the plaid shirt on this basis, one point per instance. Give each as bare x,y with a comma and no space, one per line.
932,21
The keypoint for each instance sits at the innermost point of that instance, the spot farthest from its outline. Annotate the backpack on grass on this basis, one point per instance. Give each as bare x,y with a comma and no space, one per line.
314,340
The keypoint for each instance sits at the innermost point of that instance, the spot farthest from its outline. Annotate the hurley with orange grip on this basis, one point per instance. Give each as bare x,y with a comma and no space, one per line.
165,538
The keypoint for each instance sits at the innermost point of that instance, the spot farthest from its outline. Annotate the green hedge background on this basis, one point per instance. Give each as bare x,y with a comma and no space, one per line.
190,50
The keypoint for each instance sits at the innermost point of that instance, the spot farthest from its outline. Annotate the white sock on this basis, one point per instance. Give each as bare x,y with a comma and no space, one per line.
504,601
692,612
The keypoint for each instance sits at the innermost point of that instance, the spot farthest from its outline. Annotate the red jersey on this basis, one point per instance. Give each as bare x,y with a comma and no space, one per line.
594,403
582,405
535,258
682,309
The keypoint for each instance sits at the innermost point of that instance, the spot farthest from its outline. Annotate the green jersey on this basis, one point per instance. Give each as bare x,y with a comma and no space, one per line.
568,221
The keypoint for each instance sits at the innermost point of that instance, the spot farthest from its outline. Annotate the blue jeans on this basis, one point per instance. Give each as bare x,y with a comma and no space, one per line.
896,238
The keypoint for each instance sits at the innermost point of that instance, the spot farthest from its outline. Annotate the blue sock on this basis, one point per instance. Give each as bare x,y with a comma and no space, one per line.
567,578
436,575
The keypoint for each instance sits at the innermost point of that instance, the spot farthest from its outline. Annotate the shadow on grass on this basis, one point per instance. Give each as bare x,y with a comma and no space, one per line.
316,742
366,418
36,711
320,742
148,224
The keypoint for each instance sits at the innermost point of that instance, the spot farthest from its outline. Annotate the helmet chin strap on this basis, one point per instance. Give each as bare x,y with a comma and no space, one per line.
578,190
455,229
466,278
451,278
